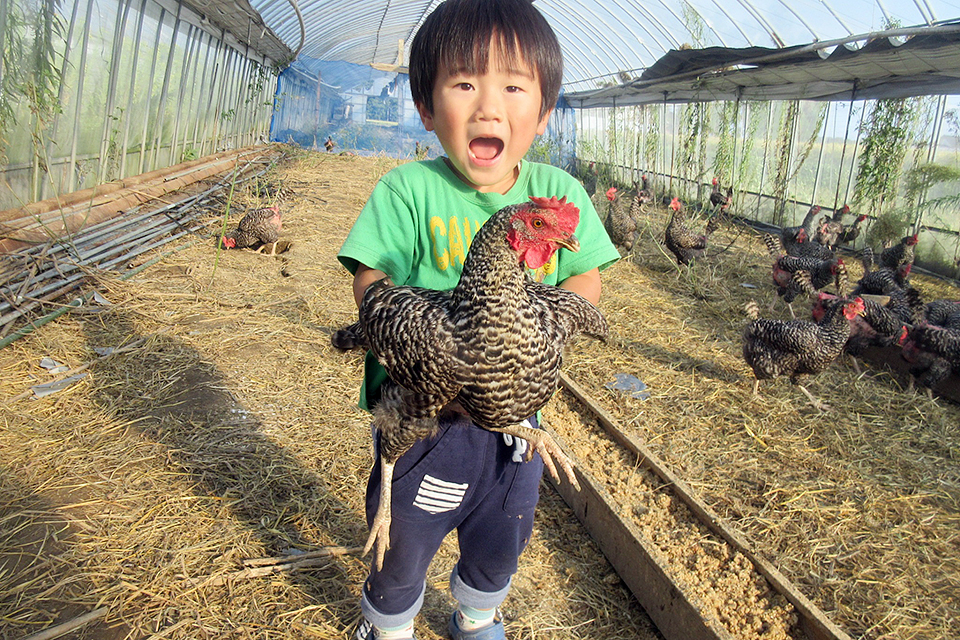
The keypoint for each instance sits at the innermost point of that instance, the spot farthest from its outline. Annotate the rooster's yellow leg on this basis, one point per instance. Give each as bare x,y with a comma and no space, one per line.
380,527
540,440
816,402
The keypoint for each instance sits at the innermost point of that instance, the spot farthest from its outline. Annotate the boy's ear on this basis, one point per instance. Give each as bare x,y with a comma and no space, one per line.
425,116
542,125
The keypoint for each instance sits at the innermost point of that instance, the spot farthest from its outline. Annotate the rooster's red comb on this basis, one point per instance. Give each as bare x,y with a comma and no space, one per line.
675,204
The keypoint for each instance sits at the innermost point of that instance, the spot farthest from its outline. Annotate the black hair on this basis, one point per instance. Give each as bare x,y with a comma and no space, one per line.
458,34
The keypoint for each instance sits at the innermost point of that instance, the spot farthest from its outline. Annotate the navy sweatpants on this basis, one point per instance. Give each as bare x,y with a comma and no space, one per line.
464,478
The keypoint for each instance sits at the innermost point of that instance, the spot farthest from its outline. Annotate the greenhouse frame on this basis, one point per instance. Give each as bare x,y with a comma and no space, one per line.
184,453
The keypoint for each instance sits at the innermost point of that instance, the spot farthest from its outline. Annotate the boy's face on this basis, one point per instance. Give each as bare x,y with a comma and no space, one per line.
487,122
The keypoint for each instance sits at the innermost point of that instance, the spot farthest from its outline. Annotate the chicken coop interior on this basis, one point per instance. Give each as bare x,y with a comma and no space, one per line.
184,455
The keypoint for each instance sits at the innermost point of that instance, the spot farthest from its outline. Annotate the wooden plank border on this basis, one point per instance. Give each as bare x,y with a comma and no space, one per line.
663,600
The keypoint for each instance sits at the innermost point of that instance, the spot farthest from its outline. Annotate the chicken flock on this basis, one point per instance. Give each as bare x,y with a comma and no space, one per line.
881,309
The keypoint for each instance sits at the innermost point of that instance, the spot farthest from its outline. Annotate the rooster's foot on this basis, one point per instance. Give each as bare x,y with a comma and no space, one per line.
380,527
817,403
550,451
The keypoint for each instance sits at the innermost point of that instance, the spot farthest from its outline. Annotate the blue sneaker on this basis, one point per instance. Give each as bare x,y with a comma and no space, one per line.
493,632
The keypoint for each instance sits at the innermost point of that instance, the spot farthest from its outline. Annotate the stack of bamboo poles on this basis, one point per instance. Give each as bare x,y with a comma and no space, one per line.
108,229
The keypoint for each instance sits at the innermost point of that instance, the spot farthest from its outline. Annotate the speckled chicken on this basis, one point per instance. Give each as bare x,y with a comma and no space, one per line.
883,280
795,348
850,234
493,344
933,353
684,244
803,233
900,253
820,272
642,196
620,225
882,323
943,313
258,227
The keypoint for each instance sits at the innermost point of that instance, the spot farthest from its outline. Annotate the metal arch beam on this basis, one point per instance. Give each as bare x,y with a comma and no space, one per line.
582,40
681,21
786,5
707,22
762,22
736,25
583,43
640,8
662,28
836,17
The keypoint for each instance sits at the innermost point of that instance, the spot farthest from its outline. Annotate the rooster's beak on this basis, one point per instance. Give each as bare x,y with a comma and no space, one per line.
570,242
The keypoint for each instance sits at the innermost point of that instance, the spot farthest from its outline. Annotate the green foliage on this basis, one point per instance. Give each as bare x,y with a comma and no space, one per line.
784,146
691,158
383,108
885,139
31,76
544,149
889,227
651,140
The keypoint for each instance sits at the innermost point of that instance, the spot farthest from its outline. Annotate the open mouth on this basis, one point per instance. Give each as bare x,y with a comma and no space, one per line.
486,150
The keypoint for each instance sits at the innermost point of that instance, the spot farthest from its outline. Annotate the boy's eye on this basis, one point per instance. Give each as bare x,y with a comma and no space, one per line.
514,89
465,86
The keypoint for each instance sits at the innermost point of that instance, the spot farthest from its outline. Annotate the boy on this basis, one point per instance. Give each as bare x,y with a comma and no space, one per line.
485,76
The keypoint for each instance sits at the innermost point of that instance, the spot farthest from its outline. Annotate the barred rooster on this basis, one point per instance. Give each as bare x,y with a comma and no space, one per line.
795,348
933,353
620,224
258,228
851,233
493,344
718,200
820,273
684,244
900,253
803,233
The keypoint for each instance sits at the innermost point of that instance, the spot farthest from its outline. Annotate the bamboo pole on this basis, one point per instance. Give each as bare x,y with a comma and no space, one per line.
31,231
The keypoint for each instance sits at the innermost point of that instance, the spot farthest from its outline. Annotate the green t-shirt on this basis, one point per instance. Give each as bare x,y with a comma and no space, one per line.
420,219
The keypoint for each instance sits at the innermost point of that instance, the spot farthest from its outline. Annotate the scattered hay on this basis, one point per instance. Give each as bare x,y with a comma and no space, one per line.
229,431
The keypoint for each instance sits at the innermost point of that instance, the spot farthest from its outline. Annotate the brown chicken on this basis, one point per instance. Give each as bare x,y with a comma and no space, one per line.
620,225
642,196
684,244
493,344
259,227
796,348
329,145
718,200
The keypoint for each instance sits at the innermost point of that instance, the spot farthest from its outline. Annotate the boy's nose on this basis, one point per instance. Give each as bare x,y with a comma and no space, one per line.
489,107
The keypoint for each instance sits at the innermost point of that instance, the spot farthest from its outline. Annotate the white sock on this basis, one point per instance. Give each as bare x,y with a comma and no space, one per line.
470,619
395,633
404,632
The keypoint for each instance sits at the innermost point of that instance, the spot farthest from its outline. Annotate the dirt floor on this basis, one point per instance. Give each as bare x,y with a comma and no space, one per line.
228,431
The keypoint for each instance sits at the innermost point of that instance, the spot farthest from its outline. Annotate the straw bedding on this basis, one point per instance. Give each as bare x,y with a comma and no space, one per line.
228,431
